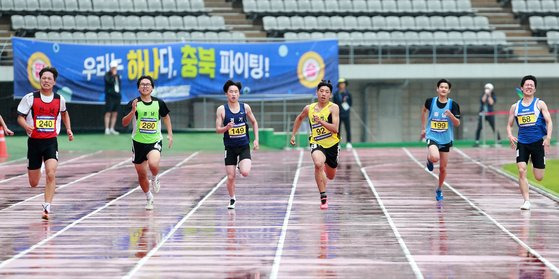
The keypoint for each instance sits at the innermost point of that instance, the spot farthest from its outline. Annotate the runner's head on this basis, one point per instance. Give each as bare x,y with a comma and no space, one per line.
528,85
443,87
324,91
48,76
232,90
145,85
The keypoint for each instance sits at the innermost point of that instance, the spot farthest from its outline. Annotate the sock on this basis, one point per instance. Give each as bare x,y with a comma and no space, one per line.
322,195
439,188
149,195
233,197
46,206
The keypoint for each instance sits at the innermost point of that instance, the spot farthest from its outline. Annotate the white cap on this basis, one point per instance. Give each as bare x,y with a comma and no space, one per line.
114,64
489,86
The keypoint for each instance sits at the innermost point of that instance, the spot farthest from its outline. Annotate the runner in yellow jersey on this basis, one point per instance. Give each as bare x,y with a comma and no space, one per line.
324,118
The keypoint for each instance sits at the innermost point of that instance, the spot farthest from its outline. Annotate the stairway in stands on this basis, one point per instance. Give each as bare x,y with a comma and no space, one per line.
503,19
5,44
234,17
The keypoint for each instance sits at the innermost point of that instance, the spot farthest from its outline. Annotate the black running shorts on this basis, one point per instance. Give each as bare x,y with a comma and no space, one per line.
233,155
441,147
533,150
331,153
40,150
141,150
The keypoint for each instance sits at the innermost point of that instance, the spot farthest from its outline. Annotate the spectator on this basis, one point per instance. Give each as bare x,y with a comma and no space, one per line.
342,98
112,98
487,101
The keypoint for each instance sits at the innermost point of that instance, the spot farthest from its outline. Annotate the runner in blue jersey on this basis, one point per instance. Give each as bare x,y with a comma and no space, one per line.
534,134
231,121
443,115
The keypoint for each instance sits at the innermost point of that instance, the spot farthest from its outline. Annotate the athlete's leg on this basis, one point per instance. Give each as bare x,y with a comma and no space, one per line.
329,171
538,174
34,177
442,167
523,180
433,154
319,160
154,157
142,171
230,170
245,166
50,169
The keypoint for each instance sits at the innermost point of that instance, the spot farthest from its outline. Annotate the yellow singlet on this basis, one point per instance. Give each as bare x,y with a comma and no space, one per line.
319,134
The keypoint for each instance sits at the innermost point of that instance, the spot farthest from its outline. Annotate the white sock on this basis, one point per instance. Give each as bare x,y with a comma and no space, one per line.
233,197
149,195
46,206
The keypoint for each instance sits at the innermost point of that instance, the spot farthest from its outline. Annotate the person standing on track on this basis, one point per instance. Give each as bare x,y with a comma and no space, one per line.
231,121
145,114
324,117
534,136
443,115
40,113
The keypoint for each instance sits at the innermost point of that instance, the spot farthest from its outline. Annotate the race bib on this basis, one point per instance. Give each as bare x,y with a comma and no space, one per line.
45,123
321,133
526,119
148,125
439,126
238,131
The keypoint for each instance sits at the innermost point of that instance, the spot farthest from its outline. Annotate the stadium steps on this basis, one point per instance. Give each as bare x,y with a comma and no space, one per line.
5,45
235,18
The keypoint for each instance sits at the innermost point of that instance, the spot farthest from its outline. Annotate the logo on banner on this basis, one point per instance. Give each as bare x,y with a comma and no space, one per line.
310,69
36,62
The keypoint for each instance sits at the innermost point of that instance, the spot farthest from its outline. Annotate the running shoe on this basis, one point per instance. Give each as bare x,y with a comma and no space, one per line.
439,194
149,204
429,165
231,204
324,203
45,213
155,184
525,205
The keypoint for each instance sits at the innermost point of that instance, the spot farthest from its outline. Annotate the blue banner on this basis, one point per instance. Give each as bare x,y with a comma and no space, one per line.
181,70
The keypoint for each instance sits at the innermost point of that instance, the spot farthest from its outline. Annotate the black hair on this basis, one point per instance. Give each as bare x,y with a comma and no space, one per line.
442,80
146,77
529,77
326,83
49,69
231,83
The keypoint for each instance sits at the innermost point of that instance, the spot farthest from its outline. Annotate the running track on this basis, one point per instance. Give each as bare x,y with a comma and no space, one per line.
383,221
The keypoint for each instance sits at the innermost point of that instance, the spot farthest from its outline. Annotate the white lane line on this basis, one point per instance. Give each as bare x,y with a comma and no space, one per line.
12,161
524,245
175,228
403,245
281,242
73,224
68,184
541,190
61,164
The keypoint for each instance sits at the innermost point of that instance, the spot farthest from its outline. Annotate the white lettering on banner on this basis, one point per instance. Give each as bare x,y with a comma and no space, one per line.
166,70
244,64
98,66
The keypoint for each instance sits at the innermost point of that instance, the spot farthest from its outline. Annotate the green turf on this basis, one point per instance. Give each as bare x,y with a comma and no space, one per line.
17,145
551,178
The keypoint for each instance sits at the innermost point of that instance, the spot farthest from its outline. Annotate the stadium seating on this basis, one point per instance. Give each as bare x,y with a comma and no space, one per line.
143,37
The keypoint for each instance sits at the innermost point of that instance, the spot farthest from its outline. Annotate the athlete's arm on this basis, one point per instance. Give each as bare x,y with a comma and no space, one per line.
454,114
167,122
66,121
127,118
513,140
220,114
254,123
549,123
423,119
332,127
297,124
3,125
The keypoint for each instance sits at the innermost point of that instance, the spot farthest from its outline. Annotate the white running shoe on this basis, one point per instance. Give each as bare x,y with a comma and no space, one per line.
149,205
525,205
232,203
348,146
114,132
107,131
155,184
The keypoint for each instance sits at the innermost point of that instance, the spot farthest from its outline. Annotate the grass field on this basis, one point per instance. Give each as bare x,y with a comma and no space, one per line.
551,178
17,145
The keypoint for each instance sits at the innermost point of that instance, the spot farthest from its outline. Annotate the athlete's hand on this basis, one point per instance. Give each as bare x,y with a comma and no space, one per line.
70,135
29,129
170,139
316,118
255,144
546,143
134,104
422,134
448,113
8,131
513,141
292,140
229,125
